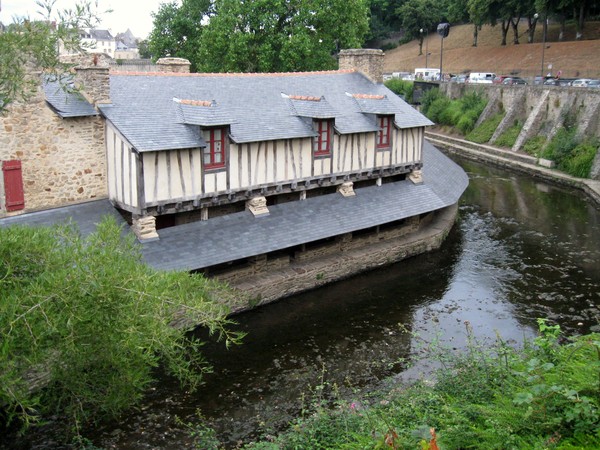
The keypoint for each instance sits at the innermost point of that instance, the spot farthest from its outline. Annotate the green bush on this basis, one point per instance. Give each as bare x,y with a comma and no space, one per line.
96,319
401,87
509,137
437,109
560,147
461,113
428,97
467,122
579,164
484,132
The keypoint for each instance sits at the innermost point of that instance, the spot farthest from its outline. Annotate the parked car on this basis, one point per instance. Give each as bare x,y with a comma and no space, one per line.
564,81
500,79
580,82
514,80
594,84
459,79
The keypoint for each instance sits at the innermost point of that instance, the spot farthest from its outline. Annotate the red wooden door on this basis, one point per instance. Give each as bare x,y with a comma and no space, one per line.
13,185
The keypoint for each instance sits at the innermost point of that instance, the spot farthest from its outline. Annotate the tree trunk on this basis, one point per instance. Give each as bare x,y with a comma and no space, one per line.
475,34
514,22
580,21
561,34
504,25
531,30
421,45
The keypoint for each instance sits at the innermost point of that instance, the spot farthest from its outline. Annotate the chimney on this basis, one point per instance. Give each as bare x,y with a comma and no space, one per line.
93,79
366,60
173,65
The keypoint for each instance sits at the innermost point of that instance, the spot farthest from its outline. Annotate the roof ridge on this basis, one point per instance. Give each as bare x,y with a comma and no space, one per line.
230,74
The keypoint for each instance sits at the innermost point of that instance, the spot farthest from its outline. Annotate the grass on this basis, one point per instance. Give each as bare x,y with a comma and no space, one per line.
509,137
484,132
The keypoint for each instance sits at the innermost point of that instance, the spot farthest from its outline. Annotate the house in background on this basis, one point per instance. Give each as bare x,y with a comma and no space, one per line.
126,46
309,177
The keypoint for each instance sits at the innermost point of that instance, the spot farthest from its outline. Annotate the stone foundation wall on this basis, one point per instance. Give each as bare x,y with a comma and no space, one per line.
271,285
63,160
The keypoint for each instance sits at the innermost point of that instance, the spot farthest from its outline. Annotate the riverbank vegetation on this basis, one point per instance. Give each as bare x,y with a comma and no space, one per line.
84,323
544,395
570,152
461,114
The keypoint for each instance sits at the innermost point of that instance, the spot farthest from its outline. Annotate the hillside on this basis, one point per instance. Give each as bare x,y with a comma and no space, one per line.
573,58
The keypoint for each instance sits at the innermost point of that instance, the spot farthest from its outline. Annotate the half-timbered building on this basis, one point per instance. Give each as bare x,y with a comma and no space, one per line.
248,174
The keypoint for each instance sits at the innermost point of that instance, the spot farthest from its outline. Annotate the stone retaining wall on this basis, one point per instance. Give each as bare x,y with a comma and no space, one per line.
263,288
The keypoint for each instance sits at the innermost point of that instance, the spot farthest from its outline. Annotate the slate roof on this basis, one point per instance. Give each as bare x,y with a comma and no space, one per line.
86,215
241,235
256,106
65,103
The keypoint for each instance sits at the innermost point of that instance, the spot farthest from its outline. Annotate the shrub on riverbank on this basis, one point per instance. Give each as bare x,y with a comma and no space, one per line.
461,113
570,153
404,88
545,395
87,321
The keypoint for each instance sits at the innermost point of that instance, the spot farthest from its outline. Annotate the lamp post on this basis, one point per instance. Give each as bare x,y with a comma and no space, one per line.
443,29
426,39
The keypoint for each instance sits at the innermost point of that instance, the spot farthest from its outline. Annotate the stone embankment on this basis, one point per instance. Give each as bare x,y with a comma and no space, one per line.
514,161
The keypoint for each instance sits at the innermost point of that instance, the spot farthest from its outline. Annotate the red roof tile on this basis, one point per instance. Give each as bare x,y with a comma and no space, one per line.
369,96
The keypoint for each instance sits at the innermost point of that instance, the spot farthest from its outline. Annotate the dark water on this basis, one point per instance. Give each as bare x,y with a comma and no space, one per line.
521,250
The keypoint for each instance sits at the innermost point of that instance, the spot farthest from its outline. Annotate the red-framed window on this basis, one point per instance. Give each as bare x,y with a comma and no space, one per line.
214,152
323,139
383,135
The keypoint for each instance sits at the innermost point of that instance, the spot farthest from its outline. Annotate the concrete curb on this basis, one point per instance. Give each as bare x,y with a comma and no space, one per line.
513,161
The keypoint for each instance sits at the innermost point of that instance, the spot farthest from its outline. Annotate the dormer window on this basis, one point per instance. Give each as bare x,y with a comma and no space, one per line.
383,135
214,152
322,143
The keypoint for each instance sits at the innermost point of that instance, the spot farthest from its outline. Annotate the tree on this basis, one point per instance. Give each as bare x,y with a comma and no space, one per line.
417,15
280,35
383,18
28,46
92,321
176,30
482,12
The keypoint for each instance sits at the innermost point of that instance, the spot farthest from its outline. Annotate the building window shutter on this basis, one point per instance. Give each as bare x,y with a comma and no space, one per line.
13,185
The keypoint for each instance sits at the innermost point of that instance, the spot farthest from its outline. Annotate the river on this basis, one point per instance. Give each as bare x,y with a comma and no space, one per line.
521,249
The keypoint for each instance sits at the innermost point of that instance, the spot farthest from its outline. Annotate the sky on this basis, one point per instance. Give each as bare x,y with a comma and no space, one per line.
132,14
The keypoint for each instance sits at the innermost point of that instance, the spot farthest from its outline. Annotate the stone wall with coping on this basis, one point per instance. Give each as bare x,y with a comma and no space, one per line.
63,160
261,288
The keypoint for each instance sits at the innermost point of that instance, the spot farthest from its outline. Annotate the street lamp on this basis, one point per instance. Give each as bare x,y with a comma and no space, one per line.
443,29
426,39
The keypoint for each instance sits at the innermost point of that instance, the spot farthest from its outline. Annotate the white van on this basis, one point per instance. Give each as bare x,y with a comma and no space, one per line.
482,77
427,74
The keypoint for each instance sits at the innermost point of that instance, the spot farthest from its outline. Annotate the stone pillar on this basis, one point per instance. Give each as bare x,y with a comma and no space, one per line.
368,61
346,189
416,176
144,228
257,206
173,65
